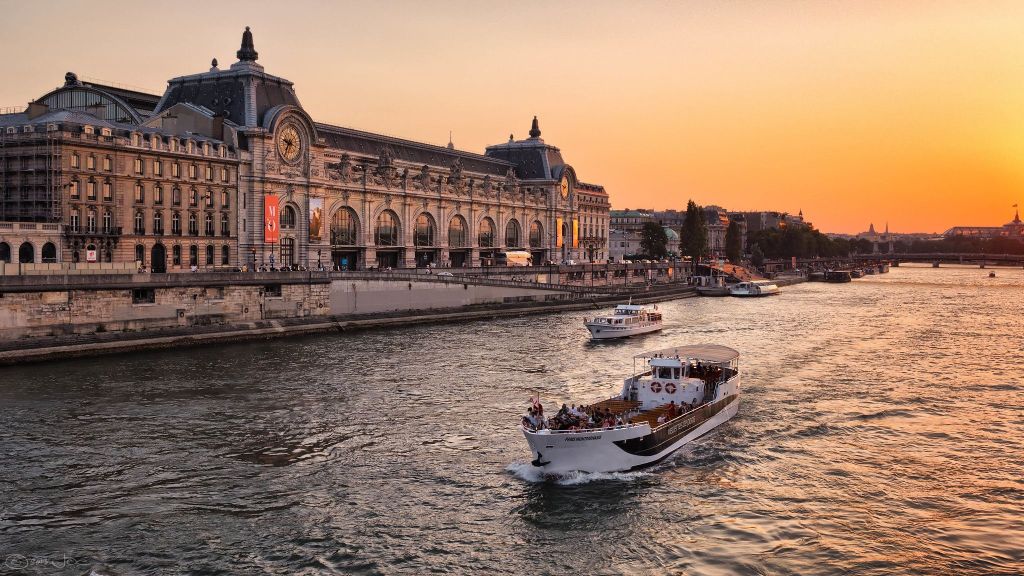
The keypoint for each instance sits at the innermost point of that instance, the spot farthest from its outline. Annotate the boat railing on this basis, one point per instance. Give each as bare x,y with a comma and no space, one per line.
583,430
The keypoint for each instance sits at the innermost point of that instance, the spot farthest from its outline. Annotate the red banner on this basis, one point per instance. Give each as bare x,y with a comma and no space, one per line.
271,234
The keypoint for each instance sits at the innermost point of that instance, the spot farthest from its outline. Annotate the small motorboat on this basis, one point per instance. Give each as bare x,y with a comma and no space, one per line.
754,288
991,274
679,395
625,320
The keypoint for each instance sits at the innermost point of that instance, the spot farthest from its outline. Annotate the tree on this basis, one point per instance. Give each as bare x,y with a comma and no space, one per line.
733,243
756,256
693,240
653,241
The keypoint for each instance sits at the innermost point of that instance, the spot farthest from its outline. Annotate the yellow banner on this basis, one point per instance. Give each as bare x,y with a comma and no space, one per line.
558,232
575,233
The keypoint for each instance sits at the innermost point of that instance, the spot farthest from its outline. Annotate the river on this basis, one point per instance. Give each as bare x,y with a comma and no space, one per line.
880,431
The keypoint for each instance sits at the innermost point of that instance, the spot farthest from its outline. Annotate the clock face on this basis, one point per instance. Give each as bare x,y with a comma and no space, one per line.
565,187
289,144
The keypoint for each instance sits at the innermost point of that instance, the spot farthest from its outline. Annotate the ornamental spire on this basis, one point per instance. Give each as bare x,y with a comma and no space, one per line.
247,52
535,129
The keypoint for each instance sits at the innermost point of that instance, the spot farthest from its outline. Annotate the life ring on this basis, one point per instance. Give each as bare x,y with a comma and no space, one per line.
655,387
670,388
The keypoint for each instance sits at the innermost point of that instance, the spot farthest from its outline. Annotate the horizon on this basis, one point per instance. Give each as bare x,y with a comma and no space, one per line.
855,114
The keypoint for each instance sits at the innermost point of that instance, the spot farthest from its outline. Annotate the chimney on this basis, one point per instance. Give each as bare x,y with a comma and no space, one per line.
36,109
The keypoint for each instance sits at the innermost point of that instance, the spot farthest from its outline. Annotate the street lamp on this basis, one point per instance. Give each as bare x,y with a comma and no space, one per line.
254,259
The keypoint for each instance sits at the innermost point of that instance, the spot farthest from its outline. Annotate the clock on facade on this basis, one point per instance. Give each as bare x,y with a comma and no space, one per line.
289,143
565,186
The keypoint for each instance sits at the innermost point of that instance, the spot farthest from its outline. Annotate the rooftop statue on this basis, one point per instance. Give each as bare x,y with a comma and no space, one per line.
248,51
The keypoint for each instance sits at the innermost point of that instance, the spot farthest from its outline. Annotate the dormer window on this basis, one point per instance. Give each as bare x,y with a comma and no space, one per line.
89,130
51,127
105,131
135,139
28,128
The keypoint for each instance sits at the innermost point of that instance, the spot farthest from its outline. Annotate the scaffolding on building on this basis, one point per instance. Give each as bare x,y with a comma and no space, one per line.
31,176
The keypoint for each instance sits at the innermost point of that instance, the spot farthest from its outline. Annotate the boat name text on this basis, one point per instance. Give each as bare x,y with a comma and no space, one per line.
582,438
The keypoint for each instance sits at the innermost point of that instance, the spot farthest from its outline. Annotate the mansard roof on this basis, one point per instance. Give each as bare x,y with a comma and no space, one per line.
242,94
368,143
534,160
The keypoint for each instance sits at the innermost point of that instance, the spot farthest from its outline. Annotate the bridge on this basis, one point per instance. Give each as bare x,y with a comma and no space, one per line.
934,258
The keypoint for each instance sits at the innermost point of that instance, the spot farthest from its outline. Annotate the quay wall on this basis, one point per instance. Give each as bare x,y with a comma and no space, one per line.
127,306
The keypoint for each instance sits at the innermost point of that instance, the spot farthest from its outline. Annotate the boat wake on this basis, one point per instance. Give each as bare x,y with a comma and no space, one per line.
530,473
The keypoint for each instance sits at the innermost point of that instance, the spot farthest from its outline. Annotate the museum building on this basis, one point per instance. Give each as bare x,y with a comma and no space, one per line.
227,169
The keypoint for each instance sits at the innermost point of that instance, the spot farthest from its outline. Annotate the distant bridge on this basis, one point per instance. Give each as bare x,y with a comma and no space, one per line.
934,258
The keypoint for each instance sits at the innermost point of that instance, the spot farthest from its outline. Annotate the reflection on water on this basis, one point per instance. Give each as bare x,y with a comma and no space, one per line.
879,432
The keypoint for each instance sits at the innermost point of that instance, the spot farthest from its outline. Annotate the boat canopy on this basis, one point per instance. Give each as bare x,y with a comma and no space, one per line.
708,352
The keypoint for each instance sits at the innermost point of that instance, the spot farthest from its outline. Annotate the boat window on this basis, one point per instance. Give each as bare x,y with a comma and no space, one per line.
676,372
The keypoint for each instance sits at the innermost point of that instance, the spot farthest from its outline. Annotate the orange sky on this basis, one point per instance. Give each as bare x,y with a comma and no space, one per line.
856,112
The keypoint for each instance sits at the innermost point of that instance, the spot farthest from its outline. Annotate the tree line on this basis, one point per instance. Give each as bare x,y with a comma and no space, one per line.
802,241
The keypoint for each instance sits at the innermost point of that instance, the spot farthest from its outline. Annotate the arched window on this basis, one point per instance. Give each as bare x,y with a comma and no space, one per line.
424,232
158,223
457,232
175,223
209,224
75,220
176,255
140,223
193,197
386,232
27,253
90,221
485,236
287,251
288,217
536,235
158,194
5,252
225,228
140,195
108,256
344,228
193,255
512,234
209,255
49,253
225,199
140,254
107,222
176,196
193,224
225,255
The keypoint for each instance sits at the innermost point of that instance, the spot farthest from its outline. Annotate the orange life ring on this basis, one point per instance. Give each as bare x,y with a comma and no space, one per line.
670,387
655,387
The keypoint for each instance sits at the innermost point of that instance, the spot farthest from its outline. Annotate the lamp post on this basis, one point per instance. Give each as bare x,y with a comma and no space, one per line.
254,259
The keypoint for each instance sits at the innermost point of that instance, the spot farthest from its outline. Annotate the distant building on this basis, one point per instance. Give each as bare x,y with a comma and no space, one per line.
1013,229
625,232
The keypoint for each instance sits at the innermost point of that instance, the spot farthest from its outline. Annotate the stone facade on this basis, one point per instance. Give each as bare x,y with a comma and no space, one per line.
344,198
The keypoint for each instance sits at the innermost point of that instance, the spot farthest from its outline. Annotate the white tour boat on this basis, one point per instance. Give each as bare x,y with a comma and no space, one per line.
754,288
626,320
680,394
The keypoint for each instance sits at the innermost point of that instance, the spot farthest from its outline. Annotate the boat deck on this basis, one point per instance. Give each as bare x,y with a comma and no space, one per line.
616,406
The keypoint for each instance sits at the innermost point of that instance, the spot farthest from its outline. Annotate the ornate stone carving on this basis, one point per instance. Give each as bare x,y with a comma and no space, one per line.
455,182
342,170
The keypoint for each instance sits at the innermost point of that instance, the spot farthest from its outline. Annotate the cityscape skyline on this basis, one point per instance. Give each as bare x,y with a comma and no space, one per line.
909,115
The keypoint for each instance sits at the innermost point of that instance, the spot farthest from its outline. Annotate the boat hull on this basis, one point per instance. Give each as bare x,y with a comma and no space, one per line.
713,290
626,448
606,331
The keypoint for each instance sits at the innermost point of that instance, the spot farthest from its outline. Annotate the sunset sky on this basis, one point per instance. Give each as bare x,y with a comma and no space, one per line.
857,112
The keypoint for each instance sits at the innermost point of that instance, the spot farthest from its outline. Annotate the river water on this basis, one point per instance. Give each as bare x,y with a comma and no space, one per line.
880,431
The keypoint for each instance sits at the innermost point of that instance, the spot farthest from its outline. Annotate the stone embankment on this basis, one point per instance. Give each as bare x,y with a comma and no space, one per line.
53,317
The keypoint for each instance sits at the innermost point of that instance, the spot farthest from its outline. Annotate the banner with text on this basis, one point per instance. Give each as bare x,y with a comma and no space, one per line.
316,218
559,232
271,233
575,233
